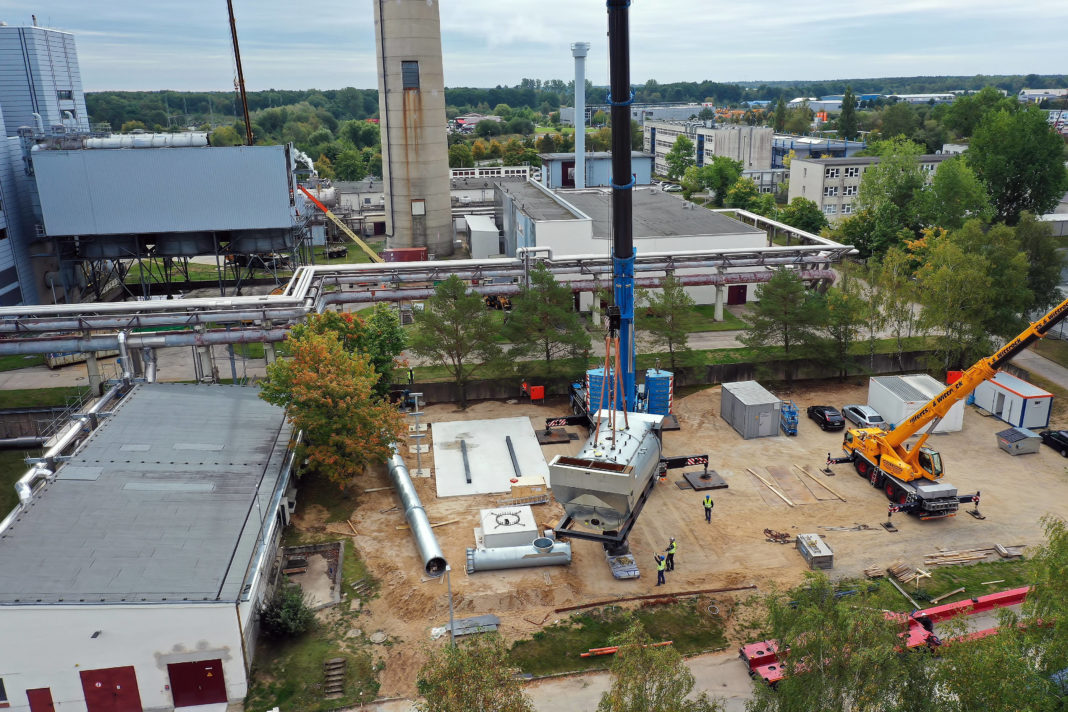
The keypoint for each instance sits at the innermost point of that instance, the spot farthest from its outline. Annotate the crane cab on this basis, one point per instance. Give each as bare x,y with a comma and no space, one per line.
930,462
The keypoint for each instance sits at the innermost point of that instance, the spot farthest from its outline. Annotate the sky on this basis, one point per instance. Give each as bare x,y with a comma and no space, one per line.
328,44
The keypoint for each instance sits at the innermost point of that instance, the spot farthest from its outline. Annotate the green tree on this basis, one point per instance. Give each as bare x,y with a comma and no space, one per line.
1020,159
543,320
680,157
966,112
799,119
599,118
780,115
648,679
460,156
667,317
1007,270
955,195
637,140
742,194
786,314
287,614
479,150
350,165
324,167
690,182
455,331
329,393
129,126
1044,259
473,676
874,300
225,136
897,120
897,298
719,175
488,127
847,122
804,214
845,316
376,334
547,144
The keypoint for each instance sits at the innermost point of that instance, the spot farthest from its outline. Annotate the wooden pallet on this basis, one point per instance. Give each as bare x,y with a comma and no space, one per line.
334,672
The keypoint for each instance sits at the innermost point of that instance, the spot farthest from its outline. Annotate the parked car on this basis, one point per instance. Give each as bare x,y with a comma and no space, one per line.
673,188
827,417
1056,439
864,416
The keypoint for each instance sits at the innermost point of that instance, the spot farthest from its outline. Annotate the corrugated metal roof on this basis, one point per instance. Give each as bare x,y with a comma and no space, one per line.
1015,434
1018,385
900,388
160,523
751,393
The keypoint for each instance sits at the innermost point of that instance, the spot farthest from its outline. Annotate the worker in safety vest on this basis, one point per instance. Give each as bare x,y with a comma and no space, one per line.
671,549
661,566
708,508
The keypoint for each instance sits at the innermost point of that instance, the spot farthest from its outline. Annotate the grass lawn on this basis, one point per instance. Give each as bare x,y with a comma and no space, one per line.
12,467
704,320
16,361
556,648
353,255
39,397
1055,350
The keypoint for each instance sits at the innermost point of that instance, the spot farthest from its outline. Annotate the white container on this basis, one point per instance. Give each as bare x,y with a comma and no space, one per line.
898,397
1015,401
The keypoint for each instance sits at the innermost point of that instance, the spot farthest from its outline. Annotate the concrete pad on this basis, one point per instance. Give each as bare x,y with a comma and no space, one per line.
487,454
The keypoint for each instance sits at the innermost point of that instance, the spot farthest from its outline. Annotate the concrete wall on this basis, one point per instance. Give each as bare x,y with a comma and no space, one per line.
415,162
55,644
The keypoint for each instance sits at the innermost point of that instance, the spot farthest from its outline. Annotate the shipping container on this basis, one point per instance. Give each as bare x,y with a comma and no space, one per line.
750,409
1015,401
898,397
405,254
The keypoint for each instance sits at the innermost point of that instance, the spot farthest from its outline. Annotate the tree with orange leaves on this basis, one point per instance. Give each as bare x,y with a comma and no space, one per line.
329,393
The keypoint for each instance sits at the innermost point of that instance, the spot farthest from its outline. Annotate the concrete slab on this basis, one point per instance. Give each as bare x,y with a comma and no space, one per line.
487,455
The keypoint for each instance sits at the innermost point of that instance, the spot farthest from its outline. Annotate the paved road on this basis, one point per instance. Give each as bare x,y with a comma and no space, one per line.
1041,366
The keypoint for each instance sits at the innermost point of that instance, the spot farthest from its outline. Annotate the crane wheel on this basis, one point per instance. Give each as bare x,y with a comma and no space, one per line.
891,491
861,467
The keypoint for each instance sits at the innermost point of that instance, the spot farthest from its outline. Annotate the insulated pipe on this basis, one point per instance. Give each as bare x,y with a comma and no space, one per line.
124,355
555,553
138,321
103,342
148,356
429,550
31,441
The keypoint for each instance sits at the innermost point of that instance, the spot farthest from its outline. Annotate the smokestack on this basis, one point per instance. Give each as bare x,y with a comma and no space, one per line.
579,51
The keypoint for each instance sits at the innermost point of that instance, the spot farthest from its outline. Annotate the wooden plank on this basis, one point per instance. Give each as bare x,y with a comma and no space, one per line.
377,489
987,583
439,524
771,487
819,482
354,532
904,593
936,599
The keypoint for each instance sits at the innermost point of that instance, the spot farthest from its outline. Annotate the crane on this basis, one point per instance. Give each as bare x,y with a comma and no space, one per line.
342,226
911,476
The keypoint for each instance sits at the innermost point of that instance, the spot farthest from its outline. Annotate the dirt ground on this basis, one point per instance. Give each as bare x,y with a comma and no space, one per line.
1016,492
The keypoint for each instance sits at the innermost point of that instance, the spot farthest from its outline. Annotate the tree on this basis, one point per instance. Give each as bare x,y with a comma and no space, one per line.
897,298
543,320
1044,259
680,157
488,127
845,316
129,126
324,167
328,393
599,118
460,156
897,120
1020,159
1006,271
847,122
780,115
287,614
690,182
804,214
799,119
350,165
547,144
787,314
473,676
667,317
637,140
455,331
967,111
706,114
742,194
648,679
955,194
479,150
719,175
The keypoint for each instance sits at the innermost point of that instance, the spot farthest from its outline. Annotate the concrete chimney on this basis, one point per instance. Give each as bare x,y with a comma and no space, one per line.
579,50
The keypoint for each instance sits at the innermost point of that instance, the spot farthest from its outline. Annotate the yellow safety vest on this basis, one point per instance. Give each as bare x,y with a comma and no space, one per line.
661,564
673,548
708,502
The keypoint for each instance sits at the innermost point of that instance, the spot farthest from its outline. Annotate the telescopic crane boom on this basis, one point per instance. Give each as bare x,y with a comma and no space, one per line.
342,226
910,476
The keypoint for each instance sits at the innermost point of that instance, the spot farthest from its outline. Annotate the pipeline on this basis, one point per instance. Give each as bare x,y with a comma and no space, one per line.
24,441
429,550
143,321
103,342
542,552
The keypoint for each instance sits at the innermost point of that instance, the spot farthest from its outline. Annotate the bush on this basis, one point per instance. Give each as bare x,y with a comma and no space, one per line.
287,615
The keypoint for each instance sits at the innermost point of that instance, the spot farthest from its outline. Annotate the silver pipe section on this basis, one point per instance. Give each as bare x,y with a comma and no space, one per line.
148,356
141,321
558,553
429,550
30,441
124,355
103,342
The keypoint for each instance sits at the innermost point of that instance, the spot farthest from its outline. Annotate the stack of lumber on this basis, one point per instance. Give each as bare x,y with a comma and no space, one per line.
958,556
906,573
875,571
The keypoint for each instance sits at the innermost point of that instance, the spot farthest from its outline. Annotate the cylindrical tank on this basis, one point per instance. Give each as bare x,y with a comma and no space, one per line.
542,552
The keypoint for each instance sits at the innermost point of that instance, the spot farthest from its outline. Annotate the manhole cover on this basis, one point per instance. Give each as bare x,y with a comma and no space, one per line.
354,633
378,637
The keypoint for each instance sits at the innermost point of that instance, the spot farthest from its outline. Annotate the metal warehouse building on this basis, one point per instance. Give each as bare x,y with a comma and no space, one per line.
133,579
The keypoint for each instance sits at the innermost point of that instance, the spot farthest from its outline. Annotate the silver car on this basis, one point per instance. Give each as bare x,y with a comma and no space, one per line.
863,416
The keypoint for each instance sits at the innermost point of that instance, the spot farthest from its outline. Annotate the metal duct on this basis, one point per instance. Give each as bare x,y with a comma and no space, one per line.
103,342
539,553
148,356
124,355
429,550
143,321
25,441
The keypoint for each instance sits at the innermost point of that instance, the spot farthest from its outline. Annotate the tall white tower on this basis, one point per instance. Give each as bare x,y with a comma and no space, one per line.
411,104
579,50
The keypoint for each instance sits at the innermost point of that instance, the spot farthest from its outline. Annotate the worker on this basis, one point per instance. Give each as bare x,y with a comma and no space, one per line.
524,389
708,508
672,547
661,566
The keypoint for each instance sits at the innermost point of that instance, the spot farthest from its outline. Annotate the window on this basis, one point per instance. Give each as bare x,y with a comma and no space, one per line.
65,95
927,167
831,191
830,209
410,75
831,173
852,171
849,190
847,209
418,207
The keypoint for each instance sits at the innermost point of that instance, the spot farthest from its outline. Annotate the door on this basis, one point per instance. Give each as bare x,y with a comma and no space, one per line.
41,700
567,174
111,690
764,424
999,405
736,294
197,683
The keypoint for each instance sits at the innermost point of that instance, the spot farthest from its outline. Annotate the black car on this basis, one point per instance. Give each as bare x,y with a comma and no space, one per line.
826,416
1056,439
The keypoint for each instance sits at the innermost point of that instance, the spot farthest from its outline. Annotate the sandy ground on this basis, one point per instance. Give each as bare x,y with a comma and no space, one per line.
730,551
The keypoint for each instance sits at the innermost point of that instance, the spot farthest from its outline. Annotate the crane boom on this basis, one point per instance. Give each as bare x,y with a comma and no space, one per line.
342,226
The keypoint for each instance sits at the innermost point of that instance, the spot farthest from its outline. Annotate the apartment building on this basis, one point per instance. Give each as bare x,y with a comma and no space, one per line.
749,144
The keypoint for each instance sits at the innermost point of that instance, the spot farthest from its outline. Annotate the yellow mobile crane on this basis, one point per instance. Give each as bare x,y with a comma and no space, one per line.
911,476
342,226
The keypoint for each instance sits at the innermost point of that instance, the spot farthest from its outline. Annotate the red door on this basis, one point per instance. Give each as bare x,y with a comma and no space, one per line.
41,700
736,294
111,690
198,683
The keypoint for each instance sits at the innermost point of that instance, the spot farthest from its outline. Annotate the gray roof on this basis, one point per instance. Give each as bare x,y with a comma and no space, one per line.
751,393
534,203
656,214
868,160
590,154
902,388
164,502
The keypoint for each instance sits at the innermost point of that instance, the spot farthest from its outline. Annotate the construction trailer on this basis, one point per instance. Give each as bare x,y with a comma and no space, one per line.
751,409
1014,400
898,397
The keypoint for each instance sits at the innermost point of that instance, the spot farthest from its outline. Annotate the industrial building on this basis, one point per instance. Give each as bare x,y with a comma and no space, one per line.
411,100
639,112
1034,96
834,183
143,560
749,144
782,145
558,169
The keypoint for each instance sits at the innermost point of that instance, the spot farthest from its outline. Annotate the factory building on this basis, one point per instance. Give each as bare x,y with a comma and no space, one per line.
639,112
811,147
40,83
143,562
749,144
411,99
558,169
